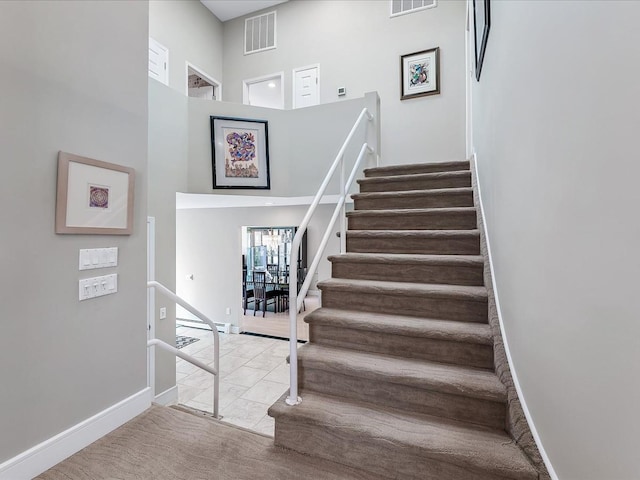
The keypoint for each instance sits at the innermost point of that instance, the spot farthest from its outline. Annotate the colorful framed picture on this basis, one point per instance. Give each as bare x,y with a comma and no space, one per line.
420,74
481,26
240,153
93,197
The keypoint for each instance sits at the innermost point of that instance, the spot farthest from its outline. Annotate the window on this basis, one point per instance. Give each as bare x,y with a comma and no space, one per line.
400,7
260,33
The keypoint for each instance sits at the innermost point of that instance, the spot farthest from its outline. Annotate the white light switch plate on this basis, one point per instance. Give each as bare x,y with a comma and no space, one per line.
97,286
91,258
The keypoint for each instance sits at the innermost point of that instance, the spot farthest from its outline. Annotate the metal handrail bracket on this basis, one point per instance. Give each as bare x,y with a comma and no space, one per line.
194,361
297,297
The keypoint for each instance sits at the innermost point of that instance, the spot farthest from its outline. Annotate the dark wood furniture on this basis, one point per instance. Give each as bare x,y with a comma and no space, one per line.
247,293
261,294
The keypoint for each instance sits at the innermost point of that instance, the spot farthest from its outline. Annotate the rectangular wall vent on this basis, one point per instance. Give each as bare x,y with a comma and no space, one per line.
400,7
260,33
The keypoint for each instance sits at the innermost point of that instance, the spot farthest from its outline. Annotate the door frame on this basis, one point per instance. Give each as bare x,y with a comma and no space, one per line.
201,73
293,81
249,81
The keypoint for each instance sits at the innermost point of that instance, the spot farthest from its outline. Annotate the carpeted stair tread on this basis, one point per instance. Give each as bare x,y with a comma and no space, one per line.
486,453
410,211
433,198
458,218
471,293
418,268
420,176
411,169
413,193
451,379
453,234
453,242
409,259
449,330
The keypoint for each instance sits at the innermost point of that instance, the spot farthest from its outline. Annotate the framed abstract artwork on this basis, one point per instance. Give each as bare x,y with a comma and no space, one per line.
481,25
240,153
93,197
420,74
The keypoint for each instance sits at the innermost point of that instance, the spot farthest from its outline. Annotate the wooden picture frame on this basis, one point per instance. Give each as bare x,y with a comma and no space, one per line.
420,74
481,26
240,153
93,197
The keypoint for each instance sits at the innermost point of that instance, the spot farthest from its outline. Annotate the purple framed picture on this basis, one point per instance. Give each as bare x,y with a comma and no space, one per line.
240,153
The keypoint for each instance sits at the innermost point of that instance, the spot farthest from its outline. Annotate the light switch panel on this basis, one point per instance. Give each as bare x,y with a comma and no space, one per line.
97,286
98,258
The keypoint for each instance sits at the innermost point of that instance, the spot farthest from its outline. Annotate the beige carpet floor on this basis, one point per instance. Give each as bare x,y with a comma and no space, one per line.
163,443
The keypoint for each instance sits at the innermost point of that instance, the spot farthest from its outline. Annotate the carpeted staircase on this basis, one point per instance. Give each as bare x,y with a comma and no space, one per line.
398,378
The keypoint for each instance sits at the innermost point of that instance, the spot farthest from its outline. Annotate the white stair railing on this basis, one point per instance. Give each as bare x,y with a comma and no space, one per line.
297,297
154,342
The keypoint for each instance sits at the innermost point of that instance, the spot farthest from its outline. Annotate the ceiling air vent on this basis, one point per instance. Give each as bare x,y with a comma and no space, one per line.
400,7
260,33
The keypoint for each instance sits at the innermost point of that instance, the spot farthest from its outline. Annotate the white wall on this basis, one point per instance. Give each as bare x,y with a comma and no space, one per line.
191,33
168,149
358,46
209,246
62,360
555,131
302,143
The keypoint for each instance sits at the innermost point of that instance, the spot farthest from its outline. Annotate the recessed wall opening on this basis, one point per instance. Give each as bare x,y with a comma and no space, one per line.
201,85
267,91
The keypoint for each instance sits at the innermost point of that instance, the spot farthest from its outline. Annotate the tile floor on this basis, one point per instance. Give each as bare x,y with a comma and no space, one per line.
253,374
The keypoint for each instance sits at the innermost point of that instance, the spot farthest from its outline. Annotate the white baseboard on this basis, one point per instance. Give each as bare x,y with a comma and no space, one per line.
222,327
168,397
505,340
313,293
235,329
45,455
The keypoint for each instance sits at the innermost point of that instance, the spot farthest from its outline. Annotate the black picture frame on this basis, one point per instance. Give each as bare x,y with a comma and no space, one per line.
429,63
481,26
240,153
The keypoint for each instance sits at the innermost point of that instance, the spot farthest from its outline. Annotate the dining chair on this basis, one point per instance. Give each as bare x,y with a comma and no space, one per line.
261,294
247,293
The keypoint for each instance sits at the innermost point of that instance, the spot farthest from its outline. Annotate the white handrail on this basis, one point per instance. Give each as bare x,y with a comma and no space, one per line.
216,342
296,298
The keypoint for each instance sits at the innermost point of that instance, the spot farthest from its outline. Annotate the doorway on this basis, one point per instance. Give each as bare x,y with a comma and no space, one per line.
201,85
266,91
268,250
306,86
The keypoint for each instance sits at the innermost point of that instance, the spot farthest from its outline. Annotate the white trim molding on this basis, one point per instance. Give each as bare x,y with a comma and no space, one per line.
202,74
168,397
45,455
505,340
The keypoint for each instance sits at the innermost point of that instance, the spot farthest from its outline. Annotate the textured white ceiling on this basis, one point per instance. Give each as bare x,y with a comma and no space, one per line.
228,9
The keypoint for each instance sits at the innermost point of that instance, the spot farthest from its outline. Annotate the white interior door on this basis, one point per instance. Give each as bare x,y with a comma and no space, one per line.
306,86
158,62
